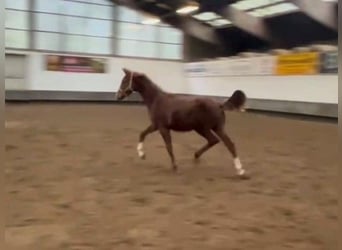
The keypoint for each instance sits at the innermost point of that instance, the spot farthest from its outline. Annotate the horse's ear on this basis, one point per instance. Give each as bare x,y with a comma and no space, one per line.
138,74
126,71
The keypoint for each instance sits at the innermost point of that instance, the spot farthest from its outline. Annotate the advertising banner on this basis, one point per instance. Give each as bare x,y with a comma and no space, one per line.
239,67
329,62
195,69
298,64
263,65
75,64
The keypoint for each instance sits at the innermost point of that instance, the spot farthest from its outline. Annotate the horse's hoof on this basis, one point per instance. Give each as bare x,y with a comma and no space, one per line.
243,176
142,155
196,157
175,169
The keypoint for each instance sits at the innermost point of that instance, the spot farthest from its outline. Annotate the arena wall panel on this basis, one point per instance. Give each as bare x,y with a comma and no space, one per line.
169,74
303,94
315,88
15,72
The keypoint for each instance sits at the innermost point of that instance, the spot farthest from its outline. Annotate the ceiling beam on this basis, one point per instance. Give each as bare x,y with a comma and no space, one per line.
186,24
321,11
248,23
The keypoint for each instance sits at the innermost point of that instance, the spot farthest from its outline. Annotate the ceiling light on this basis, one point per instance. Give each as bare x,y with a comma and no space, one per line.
274,9
282,8
251,4
220,22
151,20
187,9
206,16
256,13
163,6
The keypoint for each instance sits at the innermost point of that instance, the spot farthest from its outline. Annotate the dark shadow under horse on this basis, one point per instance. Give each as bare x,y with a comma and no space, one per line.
172,112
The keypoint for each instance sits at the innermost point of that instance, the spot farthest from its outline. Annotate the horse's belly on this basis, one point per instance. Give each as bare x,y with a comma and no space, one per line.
181,129
180,126
185,124
186,120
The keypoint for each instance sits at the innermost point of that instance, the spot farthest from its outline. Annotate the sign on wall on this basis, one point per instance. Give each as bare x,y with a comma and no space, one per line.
264,65
298,64
329,62
75,64
195,69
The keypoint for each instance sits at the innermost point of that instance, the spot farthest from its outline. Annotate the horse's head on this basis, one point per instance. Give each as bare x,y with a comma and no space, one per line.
128,84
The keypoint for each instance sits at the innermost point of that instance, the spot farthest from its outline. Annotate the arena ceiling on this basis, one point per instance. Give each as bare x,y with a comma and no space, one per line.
248,24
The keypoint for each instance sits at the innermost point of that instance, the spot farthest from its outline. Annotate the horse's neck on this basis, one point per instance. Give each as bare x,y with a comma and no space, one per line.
150,92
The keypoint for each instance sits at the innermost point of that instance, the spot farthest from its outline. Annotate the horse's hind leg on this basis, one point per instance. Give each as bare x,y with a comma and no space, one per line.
165,133
140,148
211,141
231,147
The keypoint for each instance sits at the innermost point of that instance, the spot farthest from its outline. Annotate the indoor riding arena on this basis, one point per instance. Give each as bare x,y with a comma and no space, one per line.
97,92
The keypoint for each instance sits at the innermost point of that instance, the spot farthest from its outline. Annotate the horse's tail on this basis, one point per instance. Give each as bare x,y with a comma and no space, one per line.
236,101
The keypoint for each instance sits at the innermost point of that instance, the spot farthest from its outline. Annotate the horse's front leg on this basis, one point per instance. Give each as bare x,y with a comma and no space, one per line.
140,148
165,133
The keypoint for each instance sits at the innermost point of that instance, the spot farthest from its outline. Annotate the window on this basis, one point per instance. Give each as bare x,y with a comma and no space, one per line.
170,35
102,12
77,26
88,10
76,8
17,24
51,6
98,45
147,49
87,26
74,25
98,28
102,2
128,15
81,44
171,51
148,33
127,47
129,31
138,49
17,4
48,22
17,39
16,19
137,32
48,41
141,40
73,43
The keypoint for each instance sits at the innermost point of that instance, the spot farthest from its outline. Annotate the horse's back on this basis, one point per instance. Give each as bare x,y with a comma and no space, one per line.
184,114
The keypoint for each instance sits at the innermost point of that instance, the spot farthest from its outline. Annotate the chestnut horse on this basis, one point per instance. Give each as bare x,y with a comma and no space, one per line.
171,112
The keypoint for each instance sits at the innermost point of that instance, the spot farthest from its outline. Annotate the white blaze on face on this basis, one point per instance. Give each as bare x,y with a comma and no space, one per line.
140,149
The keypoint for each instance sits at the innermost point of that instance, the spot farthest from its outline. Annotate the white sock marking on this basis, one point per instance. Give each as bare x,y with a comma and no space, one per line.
140,149
238,166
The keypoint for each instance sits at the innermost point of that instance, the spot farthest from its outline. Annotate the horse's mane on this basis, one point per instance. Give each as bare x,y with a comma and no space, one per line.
147,80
